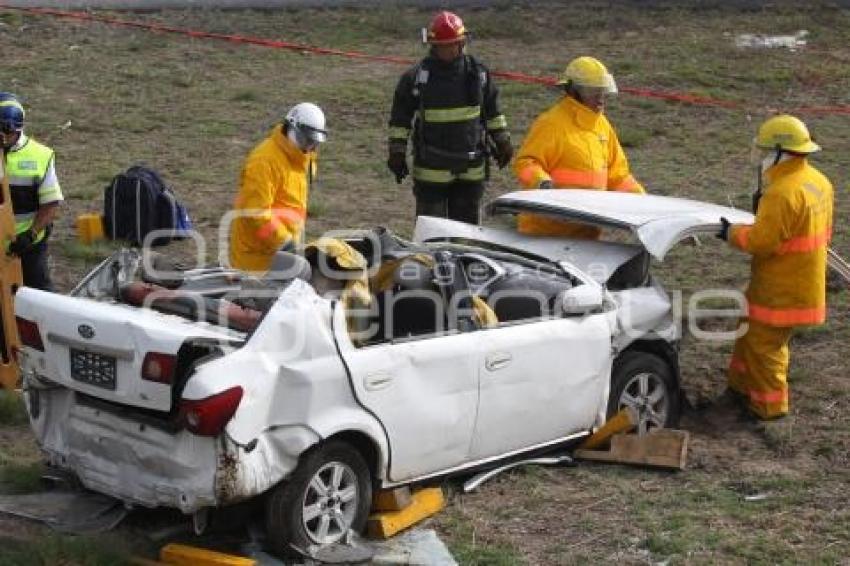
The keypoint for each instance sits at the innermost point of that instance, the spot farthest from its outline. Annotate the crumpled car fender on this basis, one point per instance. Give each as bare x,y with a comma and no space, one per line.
246,471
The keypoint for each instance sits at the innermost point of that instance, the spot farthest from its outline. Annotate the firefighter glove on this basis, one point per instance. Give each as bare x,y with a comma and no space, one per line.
504,151
397,163
22,243
723,234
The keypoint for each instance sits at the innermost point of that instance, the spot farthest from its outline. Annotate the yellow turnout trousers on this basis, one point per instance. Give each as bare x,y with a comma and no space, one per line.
759,367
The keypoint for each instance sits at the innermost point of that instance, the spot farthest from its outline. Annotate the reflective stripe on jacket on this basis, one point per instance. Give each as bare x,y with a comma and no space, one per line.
445,107
271,206
32,182
574,147
788,242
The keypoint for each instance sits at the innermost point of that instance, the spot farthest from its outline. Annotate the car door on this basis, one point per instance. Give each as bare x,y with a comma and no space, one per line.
424,391
540,381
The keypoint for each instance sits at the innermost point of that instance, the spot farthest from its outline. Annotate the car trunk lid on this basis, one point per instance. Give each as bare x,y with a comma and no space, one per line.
98,348
658,222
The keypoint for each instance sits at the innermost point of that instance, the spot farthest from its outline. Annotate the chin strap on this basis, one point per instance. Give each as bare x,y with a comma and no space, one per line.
777,156
774,159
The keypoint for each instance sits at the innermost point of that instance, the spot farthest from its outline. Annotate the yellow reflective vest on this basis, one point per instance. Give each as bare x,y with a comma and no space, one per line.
30,185
788,242
574,147
271,206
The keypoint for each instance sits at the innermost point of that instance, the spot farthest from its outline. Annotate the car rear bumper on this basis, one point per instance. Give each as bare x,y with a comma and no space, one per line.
146,465
135,462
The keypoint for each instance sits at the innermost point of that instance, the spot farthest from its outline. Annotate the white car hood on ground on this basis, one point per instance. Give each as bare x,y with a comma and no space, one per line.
659,222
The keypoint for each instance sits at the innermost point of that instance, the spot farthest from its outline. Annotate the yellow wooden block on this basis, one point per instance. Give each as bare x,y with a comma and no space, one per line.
425,502
10,280
623,421
184,555
89,228
391,499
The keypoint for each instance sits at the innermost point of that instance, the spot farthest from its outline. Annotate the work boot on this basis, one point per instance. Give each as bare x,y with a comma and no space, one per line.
778,434
729,401
730,408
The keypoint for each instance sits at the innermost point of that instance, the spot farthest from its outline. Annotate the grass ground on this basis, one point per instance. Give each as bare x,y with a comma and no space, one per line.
106,98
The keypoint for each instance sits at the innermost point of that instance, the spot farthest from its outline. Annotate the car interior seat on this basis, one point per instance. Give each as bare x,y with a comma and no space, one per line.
525,293
414,306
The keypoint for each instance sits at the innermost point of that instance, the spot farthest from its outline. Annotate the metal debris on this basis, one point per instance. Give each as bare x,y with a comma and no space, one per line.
473,483
77,512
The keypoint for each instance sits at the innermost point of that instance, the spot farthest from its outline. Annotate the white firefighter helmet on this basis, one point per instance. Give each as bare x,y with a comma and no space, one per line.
306,125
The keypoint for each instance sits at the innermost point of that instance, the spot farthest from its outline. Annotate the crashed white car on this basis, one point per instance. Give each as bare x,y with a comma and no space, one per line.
215,393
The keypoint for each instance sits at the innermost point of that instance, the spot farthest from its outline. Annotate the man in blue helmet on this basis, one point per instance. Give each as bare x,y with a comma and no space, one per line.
36,196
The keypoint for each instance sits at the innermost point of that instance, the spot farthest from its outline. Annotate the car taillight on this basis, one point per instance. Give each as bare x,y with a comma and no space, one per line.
159,367
29,333
207,417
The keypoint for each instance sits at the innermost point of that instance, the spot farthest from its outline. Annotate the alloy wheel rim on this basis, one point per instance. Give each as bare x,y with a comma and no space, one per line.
330,503
646,394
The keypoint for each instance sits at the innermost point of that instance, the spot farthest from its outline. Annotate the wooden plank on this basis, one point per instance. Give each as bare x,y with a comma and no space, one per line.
426,502
11,279
661,448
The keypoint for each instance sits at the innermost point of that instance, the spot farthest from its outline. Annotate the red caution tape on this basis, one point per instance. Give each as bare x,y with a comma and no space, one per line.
507,75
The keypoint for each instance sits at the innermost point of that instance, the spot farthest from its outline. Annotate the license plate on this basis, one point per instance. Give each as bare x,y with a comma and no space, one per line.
94,369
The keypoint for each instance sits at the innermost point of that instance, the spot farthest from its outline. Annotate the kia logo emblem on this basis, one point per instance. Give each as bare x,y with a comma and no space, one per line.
86,331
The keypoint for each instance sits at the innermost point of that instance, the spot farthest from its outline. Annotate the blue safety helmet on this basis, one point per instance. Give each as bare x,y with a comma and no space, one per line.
11,113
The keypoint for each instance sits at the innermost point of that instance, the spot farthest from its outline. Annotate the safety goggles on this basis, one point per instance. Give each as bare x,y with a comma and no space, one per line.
314,135
594,92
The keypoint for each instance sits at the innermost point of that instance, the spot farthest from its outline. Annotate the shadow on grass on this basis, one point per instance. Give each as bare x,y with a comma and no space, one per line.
12,410
108,550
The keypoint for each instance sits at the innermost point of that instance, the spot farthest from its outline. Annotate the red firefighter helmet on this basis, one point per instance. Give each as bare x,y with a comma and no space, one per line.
445,28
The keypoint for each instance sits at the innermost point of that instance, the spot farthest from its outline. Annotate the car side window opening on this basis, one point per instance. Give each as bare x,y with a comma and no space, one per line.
422,291
420,295
409,302
423,296
516,291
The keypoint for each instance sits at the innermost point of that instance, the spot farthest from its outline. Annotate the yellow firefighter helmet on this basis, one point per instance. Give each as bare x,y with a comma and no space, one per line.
786,133
589,73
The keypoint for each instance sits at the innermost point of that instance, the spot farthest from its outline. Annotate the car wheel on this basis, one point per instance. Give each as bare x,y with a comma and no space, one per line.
645,383
328,495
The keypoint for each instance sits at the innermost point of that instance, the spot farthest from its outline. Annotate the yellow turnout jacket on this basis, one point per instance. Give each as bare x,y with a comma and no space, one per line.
788,242
574,147
271,206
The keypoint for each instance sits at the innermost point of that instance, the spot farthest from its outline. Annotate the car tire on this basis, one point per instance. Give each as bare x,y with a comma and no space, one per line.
298,516
646,383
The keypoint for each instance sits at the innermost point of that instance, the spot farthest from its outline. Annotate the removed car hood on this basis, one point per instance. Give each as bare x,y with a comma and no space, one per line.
659,222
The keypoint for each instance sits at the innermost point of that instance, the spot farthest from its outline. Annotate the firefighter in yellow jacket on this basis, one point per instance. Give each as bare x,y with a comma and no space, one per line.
788,243
572,145
271,207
